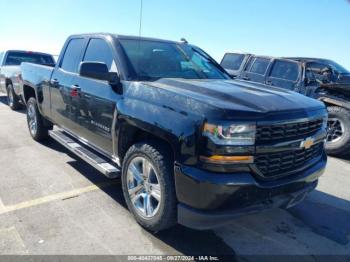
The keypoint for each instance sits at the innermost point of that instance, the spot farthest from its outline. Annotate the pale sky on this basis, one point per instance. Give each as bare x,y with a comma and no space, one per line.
316,28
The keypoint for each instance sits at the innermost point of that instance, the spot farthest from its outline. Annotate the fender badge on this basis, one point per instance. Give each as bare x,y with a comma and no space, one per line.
308,143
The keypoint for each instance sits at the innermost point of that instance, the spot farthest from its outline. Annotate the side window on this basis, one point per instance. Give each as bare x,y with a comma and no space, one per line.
260,66
318,71
71,58
285,70
249,64
232,61
99,51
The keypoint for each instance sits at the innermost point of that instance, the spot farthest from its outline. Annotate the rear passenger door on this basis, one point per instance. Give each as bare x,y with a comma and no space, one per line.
97,98
64,100
256,69
284,73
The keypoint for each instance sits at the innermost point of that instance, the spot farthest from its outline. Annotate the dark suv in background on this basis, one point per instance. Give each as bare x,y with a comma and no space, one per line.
234,63
321,79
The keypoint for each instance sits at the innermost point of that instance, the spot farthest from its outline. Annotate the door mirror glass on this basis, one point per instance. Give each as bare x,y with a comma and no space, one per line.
99,71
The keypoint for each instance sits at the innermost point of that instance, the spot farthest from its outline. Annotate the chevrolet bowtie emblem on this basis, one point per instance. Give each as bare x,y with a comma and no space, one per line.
308,143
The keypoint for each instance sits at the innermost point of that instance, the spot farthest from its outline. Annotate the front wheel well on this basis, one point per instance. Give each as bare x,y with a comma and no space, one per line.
130,135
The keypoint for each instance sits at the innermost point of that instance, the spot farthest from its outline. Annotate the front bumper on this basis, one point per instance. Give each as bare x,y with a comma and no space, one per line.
208,200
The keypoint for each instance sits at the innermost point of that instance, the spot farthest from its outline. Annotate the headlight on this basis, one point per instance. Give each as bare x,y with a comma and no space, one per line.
231,134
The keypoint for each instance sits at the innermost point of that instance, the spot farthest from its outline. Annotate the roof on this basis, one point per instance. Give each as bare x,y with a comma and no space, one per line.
307,59
24,51
116,36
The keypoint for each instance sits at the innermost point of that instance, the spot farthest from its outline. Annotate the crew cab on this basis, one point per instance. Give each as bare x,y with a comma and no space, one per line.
321,79
191,145
10,72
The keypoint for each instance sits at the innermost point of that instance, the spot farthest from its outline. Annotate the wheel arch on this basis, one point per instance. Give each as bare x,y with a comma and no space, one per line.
28,92
129,134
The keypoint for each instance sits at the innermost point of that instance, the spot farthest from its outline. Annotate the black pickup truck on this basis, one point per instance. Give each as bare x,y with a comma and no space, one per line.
321,79
191,145
10,72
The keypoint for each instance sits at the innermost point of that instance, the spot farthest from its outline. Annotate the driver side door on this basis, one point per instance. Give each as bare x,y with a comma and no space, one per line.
97,99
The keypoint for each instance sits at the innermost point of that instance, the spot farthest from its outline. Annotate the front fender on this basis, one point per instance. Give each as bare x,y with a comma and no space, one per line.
335,101
180,129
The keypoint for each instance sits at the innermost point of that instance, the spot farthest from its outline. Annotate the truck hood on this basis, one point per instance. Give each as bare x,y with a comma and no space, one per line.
341,85
237,97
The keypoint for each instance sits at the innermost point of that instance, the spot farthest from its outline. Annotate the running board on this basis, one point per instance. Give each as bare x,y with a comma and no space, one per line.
86,154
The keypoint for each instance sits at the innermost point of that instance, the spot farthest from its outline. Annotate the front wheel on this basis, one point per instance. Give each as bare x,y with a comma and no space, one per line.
35,121
338,137
148,185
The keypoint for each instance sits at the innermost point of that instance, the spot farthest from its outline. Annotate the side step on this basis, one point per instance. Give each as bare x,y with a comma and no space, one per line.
102,165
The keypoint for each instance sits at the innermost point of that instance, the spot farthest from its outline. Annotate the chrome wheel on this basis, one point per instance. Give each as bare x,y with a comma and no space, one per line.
335,130
9,96
143,187
32,119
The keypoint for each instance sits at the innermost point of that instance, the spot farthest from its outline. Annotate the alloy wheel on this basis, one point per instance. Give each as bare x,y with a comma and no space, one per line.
32,119
335,130
9,96
143,187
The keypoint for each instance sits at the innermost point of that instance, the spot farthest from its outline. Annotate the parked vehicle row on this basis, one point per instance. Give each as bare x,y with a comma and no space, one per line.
10,72
191,145
320,79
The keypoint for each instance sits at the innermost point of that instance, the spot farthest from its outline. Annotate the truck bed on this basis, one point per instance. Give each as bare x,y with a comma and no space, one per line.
34,75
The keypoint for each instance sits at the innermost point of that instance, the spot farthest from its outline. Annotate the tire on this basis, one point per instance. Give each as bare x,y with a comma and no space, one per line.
12,99
338,143
166,209
35,121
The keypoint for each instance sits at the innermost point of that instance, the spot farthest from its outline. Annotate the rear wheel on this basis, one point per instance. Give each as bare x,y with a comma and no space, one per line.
148,185
12,99
35,121
338,137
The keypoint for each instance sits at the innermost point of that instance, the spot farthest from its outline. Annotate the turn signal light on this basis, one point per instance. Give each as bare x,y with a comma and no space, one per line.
216,159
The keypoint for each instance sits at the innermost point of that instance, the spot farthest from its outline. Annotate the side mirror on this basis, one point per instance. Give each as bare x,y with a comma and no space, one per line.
99,71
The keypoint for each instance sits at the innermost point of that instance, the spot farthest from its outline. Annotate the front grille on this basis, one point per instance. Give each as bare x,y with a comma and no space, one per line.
287,132
272,165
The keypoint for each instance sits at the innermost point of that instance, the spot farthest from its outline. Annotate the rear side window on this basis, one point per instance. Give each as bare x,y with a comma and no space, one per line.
259,66
99,51
232,61
249,64
16,58
285,70
71,58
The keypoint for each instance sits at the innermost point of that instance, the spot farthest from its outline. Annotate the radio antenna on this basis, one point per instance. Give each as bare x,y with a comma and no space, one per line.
141,12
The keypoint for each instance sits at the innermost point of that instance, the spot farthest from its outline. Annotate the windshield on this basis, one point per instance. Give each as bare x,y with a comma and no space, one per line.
338,68
16,58
151,60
